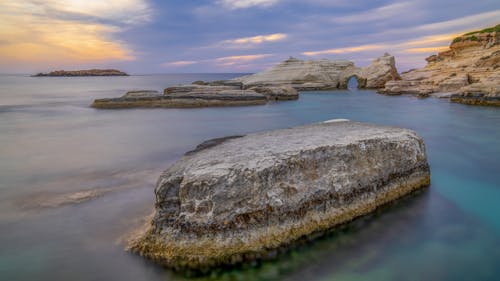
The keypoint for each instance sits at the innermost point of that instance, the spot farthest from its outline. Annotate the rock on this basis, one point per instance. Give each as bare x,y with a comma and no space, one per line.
197,89
323,74
277,93
186,100
141,94
240,198
197,95
470,69
199,82
484,92
235,84
442,95
380,71
89,72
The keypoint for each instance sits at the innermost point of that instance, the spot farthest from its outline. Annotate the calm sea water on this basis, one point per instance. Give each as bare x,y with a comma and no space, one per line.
74,181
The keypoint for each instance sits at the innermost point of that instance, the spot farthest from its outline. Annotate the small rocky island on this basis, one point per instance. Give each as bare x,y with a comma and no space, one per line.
469,72
240,198
89,72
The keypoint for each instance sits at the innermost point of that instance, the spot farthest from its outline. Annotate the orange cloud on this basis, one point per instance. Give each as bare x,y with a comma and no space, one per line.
433,39
180,63
34,32
426,49
259,39
346,50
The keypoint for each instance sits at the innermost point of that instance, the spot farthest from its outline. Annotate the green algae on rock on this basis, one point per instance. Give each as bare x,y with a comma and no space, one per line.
240,198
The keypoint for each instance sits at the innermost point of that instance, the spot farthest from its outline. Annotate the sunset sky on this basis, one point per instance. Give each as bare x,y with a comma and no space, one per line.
165,36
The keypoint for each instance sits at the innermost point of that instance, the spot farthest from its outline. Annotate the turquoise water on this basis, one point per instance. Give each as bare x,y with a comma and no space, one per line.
53,147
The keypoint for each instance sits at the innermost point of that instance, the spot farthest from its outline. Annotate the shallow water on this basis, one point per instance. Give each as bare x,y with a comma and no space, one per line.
75,180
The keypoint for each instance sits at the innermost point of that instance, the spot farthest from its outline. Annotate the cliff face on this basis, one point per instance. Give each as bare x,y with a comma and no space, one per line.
470,69
89,72
324,74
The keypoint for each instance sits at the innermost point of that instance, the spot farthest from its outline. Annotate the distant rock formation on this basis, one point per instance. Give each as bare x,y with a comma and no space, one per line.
242,198
469,70
89,72
199,95
324,74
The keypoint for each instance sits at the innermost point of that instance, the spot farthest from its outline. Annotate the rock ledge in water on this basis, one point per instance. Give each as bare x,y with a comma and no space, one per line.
240,198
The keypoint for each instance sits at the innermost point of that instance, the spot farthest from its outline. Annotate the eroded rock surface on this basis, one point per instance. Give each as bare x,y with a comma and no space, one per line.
240,198
470,69
199,95
141,94
323,74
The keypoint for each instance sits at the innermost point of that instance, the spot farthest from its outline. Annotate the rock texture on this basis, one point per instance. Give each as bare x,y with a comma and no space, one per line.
185,100
323,74
277,93
89,72
141,94
470,69
240,198
199,95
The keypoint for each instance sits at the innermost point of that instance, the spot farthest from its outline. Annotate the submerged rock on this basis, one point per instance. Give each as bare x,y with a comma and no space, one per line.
470,69
240,198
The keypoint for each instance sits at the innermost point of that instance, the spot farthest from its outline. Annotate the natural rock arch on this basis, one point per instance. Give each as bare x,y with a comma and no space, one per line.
323,74
344,82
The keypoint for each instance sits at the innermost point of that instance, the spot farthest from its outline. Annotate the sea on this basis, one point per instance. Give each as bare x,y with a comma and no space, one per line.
76,182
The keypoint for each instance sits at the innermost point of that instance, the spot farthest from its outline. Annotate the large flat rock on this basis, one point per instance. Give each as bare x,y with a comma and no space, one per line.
225,97
240,198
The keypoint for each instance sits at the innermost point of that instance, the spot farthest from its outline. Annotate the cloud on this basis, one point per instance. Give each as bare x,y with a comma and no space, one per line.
180,63
426,49
232,60
379,13
462,23
352,49
241,4
55,32
221,61
254,40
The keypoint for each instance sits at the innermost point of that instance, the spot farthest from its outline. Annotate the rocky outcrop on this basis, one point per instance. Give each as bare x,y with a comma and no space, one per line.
141,94
323,74
277,93
470,69
380,71
199,95
241,198
484,92
89,72
185,100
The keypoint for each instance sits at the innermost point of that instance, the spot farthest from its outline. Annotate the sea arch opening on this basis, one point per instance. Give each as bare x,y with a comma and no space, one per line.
355,82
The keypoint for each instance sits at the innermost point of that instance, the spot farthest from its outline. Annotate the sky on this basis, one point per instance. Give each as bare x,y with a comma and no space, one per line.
212,36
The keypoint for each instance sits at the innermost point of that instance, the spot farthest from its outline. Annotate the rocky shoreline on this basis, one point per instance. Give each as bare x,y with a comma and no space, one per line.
469,70
280,83
241,198
89,72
